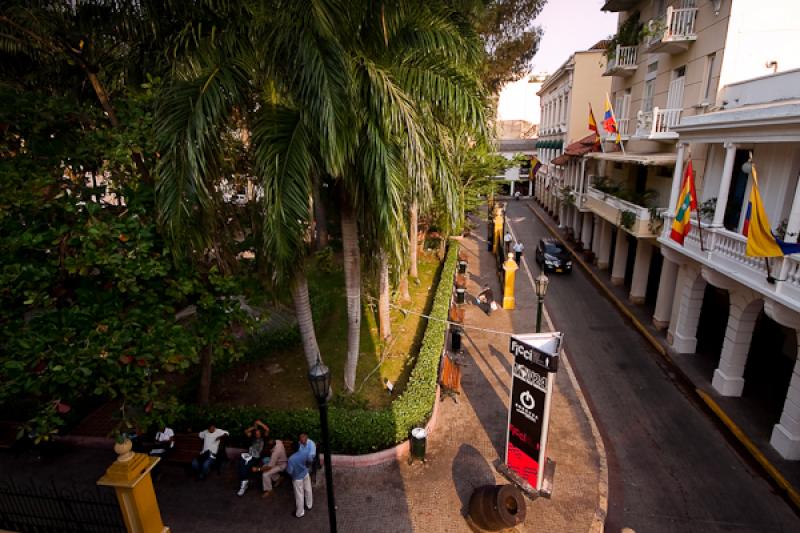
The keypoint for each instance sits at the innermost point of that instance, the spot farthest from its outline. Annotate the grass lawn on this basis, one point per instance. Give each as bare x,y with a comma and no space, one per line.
278,380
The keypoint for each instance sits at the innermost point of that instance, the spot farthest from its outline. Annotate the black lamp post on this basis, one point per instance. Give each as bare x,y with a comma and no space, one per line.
320,378
540,285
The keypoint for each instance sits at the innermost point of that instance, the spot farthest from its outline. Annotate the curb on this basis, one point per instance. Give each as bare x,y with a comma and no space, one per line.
790,492
601,511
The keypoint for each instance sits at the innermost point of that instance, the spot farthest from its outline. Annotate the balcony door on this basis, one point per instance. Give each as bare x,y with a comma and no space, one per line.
736,200
676,86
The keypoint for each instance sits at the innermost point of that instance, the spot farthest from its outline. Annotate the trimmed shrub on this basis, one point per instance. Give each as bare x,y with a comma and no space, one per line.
354,431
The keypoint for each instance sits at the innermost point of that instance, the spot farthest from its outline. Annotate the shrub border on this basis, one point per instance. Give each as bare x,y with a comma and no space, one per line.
360,431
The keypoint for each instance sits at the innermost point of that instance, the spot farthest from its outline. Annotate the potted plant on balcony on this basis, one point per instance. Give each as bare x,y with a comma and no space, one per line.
627,219
629,34
656,223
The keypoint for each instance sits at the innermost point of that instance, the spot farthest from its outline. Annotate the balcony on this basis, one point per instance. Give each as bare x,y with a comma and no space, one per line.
674,33
624,128
635,219
657,124
623,62
725,252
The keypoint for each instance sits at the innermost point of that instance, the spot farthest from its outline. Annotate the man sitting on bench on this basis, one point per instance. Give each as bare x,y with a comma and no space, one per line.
211,438
271,472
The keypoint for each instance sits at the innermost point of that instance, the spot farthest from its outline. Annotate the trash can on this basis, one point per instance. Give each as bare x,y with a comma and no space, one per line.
418,439
455,340
460,292
462,267
497,507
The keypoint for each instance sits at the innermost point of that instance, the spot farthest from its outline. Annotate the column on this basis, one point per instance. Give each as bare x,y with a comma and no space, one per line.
793,224
725,185
641,271
586,231
530,186
744,309
666,294
677,177
595,234
786,434
576,223
512,188
620,258
689,292
604,250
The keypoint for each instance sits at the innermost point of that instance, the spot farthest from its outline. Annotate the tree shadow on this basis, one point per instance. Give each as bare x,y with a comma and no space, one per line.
470,471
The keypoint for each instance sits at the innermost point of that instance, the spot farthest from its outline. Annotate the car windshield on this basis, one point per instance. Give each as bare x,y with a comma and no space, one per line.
553,248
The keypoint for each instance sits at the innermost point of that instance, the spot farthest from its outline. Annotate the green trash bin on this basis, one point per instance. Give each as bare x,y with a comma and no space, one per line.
418,440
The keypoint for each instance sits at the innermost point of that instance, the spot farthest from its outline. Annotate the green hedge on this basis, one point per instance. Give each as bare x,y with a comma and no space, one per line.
355,430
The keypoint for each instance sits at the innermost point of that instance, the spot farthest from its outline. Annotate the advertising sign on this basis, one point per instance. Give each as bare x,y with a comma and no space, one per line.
535,364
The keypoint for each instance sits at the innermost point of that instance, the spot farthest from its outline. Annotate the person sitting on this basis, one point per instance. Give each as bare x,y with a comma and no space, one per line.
256,433
297,469
486,297
271,472
164,442
211,438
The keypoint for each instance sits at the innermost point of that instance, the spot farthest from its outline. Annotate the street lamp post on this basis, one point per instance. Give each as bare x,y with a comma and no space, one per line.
540,285
320,378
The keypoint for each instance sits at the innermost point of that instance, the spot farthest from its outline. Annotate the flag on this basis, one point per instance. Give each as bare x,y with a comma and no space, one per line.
593,125
535,166
686,202
761,242
609,122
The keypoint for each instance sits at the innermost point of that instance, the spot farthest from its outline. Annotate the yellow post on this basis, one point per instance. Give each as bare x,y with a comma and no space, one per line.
510,266
498,231
130,477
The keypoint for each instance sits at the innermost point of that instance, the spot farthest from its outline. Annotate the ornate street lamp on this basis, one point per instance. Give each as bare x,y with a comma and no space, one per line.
540,285
320,378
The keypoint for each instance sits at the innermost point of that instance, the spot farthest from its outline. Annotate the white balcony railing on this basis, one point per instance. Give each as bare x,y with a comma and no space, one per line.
624,125
611,208
678,26
658,123
726,252
623,61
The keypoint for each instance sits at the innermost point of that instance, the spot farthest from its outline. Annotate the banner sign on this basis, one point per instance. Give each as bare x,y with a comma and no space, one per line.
535,364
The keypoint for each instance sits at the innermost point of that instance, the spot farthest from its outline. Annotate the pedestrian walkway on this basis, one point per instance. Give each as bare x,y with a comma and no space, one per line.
431,497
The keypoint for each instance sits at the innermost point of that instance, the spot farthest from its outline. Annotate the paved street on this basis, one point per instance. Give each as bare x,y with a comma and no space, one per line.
670,468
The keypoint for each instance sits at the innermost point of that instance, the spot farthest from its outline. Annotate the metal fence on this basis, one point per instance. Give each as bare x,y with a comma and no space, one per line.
33,507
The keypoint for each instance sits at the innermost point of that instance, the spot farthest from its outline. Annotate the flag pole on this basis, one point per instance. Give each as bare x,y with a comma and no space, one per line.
699,220
616,124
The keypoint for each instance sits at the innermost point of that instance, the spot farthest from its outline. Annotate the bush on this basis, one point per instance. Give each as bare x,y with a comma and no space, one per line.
353,430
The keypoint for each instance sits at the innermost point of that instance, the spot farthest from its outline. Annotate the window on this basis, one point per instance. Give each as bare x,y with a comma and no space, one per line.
708,77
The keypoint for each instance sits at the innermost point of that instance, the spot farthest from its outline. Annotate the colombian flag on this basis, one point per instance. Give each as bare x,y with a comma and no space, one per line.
609,123
761,242
686,202
593,125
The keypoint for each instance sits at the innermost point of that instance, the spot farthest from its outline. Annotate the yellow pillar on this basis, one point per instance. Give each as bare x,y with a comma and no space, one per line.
510,266
130,477
498,231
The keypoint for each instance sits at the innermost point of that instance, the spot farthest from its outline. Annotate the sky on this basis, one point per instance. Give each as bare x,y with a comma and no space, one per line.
569,26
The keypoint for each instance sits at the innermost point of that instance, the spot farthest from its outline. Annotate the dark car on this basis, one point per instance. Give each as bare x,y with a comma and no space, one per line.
553,257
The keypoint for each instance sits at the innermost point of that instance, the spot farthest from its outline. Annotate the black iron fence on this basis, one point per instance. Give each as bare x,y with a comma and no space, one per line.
34,507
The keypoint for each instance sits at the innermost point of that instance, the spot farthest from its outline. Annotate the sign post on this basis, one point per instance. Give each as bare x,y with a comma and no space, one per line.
536,357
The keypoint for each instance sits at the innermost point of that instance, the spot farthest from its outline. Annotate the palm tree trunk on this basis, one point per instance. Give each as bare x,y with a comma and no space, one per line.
414,234
206,362
320,217
302,309
352,281
384,317
405,295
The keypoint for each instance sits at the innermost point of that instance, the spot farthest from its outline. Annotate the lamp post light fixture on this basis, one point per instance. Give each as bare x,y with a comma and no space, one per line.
320,378
540,285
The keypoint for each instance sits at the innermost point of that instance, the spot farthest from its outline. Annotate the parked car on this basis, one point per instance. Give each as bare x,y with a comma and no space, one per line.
553,257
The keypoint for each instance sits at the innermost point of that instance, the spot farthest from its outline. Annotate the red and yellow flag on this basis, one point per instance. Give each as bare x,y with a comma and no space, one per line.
686,202
593,125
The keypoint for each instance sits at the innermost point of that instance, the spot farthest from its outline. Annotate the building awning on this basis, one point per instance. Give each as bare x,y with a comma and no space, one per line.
665,159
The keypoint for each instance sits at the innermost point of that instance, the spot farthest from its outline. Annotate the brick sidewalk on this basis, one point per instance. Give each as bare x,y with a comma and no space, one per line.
431,497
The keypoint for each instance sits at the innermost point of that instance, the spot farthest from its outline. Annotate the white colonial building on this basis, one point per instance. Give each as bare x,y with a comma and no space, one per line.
759,118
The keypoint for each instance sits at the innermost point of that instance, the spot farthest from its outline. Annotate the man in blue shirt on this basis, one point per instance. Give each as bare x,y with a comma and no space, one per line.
307,447
301,482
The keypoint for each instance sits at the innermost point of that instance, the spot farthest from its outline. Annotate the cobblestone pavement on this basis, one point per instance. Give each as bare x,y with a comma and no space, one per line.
430,497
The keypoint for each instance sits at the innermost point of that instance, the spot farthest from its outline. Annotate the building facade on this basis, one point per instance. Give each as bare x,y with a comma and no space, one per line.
564,98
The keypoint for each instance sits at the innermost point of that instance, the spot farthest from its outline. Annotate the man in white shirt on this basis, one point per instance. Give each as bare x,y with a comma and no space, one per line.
518,252
211,438
271,472
164,441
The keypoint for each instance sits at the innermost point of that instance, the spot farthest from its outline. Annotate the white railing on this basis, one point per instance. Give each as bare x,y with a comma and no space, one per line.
642,213
624,125
677,25
680,23
657,123
726,252
624,57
